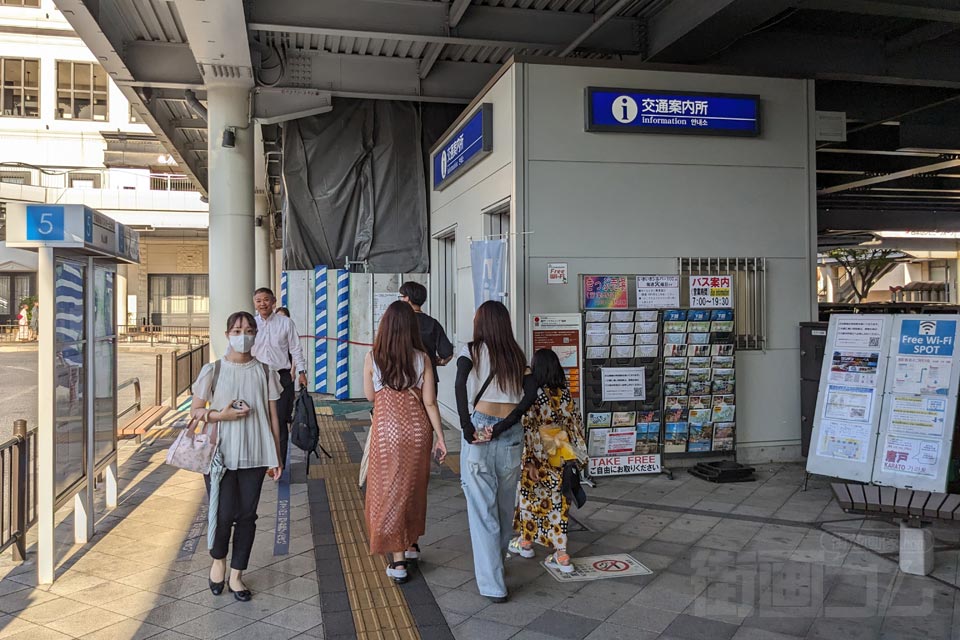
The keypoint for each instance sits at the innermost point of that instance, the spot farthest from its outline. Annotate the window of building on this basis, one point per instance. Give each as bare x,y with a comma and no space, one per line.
82,91
446,286
30,4
21,88
14,288
15,177
85,181
179,300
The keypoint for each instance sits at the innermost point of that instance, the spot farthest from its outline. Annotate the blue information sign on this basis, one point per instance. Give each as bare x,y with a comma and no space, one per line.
45,223
471,142
642,111
927,337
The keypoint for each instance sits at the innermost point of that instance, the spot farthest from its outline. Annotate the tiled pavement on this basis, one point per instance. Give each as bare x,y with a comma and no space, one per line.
752,561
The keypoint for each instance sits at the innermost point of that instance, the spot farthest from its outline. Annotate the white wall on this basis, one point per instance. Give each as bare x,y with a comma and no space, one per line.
460,205
632,203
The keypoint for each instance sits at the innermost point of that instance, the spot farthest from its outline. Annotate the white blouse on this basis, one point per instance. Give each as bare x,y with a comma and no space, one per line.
246,443
378,377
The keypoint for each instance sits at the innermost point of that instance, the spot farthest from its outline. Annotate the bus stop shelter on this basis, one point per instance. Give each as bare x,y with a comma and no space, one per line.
79,250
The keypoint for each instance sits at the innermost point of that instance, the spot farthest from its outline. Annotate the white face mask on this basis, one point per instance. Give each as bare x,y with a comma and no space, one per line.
242,343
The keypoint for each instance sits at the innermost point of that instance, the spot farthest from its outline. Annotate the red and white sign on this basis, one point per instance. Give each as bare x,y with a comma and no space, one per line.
711,292
557,273
625,465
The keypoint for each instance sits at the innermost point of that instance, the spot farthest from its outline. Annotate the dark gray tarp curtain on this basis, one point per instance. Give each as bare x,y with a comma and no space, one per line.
355,186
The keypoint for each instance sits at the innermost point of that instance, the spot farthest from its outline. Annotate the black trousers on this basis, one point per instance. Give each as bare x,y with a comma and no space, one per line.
285,411
237,512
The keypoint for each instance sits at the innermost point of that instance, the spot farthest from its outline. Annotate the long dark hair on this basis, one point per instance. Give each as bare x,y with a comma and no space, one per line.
547,370
398,346
492,329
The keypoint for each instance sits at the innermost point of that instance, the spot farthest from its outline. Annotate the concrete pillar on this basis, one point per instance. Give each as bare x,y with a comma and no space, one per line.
263,255
46,397
231,234
122,308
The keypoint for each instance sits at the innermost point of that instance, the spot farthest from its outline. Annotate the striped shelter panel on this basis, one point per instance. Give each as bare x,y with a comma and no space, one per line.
283,289
320,329
342,390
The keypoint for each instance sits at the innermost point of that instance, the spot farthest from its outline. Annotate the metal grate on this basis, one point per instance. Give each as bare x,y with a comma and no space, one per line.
749,293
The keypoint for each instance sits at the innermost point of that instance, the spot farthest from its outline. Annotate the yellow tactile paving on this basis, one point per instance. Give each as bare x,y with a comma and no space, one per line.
379,609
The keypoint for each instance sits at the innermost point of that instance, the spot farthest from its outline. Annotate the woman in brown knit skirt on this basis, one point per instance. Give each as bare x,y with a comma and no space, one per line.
398,378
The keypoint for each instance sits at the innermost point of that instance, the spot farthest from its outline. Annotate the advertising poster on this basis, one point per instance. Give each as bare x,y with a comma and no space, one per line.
911,456
848,403
380,303
844,440
854,368
623,384
922,374
917,415
561,334
711,292
658,292
858,333
605,292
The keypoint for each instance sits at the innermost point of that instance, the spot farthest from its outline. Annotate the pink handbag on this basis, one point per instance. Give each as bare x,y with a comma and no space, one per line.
193,450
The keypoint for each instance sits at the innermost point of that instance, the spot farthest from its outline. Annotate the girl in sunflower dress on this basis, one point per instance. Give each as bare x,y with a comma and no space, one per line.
553,433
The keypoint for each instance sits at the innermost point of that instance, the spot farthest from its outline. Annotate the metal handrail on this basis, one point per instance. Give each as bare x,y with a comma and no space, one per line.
18,494
137,404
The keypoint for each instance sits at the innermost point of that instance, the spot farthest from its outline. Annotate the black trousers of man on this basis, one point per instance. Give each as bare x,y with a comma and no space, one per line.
285,411
237,512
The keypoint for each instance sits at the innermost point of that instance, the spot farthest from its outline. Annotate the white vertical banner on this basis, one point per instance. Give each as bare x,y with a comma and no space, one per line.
488,261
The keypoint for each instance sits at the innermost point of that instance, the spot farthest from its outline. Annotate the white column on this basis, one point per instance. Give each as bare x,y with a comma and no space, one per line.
46,487
231,235
263,254
122,307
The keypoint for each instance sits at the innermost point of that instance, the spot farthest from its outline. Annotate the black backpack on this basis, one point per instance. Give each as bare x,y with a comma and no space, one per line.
304,431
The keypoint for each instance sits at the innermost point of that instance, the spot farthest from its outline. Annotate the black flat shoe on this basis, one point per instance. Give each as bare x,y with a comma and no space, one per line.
216,588
241,596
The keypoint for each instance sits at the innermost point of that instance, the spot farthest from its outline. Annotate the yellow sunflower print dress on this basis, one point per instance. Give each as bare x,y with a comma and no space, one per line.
542,510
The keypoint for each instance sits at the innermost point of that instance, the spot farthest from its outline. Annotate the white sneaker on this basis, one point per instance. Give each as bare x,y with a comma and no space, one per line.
516,548
553,563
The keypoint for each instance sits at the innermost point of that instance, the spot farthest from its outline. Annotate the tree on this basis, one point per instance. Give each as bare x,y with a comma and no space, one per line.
864,266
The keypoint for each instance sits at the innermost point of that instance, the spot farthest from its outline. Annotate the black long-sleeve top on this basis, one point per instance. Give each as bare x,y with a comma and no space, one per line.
464,367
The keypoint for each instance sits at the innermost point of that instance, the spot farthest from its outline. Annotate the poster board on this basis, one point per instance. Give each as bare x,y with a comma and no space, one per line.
920,404
561,332
850,398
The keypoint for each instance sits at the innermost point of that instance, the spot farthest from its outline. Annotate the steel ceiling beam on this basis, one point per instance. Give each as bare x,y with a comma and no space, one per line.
828,57
878,217
691,31
906,173
418,21
932,10
924,33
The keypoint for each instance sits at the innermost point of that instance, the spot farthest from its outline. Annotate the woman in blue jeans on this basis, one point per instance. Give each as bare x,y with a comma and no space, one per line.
490,373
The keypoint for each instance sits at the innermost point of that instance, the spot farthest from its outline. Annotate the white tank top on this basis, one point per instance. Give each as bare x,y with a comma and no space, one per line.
479,374
378,378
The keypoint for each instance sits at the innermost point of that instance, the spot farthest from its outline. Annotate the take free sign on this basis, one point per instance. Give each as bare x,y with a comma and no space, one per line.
927,337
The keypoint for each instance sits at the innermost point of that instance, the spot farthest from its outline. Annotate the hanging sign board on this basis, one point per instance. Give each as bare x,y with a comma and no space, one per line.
469,144
852,379
651,111
560,332
711,292
916,427
658,292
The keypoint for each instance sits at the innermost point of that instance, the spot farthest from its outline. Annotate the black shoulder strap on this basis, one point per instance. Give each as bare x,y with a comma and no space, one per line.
482,389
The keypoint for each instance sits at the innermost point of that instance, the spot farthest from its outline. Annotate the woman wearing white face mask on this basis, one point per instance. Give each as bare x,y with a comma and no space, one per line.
242,395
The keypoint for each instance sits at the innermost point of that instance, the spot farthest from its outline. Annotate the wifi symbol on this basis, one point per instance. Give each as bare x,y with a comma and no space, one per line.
928,327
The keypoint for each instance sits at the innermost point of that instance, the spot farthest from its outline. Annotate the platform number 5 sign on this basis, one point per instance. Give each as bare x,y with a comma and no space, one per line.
45,223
